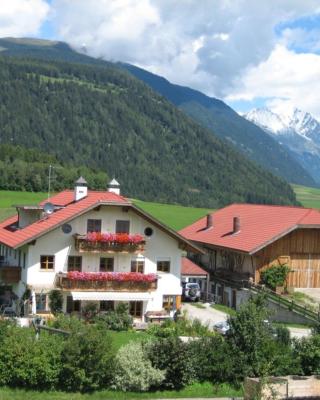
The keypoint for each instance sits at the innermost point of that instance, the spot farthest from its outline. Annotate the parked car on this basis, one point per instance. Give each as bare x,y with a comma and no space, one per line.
222,327
191,291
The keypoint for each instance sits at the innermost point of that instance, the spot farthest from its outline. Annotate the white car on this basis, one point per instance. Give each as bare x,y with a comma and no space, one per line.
191,291
222,327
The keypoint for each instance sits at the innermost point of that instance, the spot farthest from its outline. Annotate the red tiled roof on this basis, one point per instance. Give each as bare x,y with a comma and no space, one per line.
188,267
259,226
70,210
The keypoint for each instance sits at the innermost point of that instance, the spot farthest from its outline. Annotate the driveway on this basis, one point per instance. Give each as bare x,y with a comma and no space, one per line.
211,316
206,315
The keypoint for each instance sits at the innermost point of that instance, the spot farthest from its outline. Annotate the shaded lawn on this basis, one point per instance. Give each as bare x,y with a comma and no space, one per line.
195,390
122,338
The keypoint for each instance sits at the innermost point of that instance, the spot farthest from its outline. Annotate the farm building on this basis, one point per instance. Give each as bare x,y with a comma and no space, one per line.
94,247
242,240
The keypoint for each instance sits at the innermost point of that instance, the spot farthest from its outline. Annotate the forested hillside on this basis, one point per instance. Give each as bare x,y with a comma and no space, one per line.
28,170
224,122
103,118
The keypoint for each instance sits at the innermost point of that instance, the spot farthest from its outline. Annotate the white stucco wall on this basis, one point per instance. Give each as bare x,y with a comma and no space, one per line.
160,246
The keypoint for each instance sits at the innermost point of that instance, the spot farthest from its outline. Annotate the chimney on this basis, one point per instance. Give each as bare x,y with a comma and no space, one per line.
236,224
80,189
209,221
114,186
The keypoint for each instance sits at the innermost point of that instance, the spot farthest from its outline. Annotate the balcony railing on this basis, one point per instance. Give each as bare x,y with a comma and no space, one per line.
101,282
9,274
84,243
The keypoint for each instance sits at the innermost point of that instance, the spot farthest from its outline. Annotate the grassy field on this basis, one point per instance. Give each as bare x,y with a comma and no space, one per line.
225,309
308,197
195,390
9,198
177,217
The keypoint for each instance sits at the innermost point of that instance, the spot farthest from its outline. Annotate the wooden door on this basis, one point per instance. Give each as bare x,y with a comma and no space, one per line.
305,270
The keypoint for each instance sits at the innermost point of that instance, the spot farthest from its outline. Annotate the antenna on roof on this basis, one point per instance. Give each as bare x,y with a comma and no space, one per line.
49,180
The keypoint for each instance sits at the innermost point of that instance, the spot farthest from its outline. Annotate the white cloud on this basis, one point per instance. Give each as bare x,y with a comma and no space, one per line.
22,17
287,78
208,45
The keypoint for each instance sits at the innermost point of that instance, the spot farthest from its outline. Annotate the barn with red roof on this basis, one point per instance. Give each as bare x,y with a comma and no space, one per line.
242,240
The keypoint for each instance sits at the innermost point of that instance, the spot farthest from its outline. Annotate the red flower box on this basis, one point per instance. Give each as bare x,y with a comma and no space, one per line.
111,276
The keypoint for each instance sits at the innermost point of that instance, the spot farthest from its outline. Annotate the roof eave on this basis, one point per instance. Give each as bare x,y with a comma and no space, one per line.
99,203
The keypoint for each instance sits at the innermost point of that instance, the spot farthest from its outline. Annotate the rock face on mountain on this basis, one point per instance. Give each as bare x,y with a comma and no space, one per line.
297,130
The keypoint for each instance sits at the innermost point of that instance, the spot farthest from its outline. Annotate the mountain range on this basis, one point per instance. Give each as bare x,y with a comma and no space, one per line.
224,122
298,131
89,112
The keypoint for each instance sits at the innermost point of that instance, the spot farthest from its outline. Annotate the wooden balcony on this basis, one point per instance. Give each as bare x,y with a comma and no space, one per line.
83,245
10,275
65,283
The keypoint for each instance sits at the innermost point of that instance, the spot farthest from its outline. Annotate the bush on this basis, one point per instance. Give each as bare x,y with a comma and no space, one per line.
87,361
55,301
182,327
134,371
307,351
89,311
68,323
172,355
211,359
118,320
275,275
31,363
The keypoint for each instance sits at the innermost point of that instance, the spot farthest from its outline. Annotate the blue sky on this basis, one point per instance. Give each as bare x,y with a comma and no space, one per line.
249,53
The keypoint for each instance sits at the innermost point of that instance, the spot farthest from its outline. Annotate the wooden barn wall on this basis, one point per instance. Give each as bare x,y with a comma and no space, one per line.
300,250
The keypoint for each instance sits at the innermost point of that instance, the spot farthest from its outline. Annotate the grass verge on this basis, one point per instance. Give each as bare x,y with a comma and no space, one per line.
196,390
225,309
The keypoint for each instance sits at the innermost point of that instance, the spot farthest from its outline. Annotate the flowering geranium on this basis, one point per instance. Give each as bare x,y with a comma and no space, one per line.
123,238
111,276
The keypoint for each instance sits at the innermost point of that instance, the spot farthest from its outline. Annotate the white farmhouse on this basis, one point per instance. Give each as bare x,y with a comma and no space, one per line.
93,246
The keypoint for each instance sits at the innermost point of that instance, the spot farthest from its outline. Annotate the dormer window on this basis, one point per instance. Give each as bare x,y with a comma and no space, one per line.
94,225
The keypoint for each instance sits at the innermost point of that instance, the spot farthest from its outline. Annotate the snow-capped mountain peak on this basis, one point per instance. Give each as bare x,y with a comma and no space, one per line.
297,130
266,119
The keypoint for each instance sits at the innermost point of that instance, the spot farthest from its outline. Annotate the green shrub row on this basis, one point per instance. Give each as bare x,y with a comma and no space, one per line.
86,359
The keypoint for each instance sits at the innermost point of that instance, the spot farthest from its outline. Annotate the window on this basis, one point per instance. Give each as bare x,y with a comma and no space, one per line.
106,305
137,266
168,303
47,263
163,266
148,231
135,308
73,305
122,226
106,264
94,225
74,263
41,302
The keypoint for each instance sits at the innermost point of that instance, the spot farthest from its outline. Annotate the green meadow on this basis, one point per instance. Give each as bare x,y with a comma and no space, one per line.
177,217
308,197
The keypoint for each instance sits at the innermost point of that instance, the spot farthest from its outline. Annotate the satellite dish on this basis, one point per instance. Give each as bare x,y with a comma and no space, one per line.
66,228
48,208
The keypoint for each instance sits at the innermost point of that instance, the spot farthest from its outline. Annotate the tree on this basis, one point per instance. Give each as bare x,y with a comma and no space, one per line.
251,338
55,301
